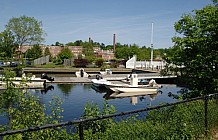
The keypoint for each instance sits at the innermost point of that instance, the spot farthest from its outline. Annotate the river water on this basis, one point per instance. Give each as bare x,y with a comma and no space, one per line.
75,96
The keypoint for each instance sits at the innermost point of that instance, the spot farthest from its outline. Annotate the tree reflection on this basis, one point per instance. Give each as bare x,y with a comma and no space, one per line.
65,88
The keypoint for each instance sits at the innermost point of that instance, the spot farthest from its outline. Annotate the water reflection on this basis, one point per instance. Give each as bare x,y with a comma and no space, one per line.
99,89
46,89
133,96
65,88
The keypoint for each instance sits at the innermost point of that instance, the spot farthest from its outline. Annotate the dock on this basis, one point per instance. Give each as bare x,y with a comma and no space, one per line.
113,77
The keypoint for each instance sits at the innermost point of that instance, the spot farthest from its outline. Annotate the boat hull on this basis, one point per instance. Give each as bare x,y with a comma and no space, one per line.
133,90
100,82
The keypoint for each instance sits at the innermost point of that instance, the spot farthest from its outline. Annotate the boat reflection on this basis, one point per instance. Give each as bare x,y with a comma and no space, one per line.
46,89
133,96
99,89
108,94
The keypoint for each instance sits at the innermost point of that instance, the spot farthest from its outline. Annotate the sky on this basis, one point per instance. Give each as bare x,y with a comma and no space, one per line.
66,21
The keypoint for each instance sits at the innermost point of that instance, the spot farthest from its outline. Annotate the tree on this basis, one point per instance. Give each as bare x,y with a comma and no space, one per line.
88,51
47,52
35,52
7,44
64,54
194,55
58,44
99,62
26,30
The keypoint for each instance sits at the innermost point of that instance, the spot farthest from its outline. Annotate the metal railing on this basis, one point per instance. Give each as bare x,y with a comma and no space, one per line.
82,123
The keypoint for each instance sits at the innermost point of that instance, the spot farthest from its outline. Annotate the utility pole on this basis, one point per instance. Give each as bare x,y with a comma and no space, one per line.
152,45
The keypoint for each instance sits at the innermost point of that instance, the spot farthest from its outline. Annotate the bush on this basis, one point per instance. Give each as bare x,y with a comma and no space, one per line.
99,62
80,62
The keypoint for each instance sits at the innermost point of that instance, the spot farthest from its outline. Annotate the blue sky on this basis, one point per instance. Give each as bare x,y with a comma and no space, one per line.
70,20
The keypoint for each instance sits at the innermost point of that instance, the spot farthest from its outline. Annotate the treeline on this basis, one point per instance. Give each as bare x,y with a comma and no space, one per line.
122,51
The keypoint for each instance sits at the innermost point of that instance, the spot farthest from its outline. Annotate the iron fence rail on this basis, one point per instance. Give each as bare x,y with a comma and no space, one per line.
82,122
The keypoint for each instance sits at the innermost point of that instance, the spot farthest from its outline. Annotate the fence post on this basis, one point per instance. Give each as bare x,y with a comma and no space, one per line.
81,131
206,114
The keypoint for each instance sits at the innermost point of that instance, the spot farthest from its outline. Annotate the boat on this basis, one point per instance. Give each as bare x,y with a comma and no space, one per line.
134,84
133,87
26,82
99,81
81,73
106,72
133,90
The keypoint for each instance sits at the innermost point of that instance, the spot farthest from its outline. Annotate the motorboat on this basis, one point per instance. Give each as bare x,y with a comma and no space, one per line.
17,83
133,90
106,72
134,85
81,73
26,81
99,81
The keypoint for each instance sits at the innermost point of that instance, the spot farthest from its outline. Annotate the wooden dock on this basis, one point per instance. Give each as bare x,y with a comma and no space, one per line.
113,77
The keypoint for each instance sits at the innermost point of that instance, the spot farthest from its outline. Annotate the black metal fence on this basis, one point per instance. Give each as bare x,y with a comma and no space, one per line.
202,114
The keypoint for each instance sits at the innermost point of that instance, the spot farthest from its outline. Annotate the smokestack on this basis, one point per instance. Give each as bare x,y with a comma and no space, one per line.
89,39
114,42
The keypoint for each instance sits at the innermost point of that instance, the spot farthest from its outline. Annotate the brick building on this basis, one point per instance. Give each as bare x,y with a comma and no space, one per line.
76,50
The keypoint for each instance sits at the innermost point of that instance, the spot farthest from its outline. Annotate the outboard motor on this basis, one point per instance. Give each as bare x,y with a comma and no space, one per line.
98,77
81,72
45,76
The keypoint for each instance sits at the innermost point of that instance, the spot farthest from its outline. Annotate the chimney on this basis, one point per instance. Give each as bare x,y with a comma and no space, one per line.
114,42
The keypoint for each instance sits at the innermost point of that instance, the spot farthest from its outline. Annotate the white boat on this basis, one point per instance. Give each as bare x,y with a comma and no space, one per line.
133,90
81,73
24,82
100,82
134,84
106,72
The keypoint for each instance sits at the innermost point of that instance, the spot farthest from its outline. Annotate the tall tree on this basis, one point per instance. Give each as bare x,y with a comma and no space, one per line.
26,30
195,53
7,44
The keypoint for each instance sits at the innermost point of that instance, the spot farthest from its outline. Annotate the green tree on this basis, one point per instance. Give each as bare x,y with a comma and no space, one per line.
88,51
78,43
58,44
144,54
64,54
122,52
99,62
47,52
26,30
194,55
35,52
7,44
